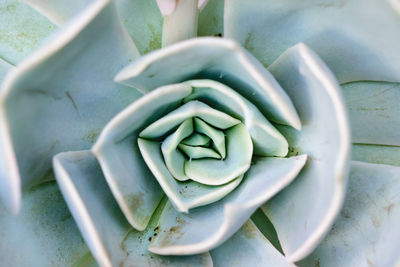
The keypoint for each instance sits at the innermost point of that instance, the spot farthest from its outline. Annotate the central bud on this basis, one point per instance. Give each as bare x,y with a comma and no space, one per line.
202,144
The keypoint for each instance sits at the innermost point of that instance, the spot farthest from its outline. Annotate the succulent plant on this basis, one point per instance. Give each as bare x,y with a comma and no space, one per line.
166,148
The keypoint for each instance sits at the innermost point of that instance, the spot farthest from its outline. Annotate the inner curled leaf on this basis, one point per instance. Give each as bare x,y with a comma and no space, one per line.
200,151
201,145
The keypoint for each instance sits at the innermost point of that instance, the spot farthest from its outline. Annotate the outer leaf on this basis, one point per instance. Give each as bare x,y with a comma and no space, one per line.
180,22
166,6
143,21
376,154
374,112
357,39
62,96
304,212
119,155
59,11
4,68
9,188
22,30
43,235
88,197
207,227
366,232
248,247
211,19
112,241
217,59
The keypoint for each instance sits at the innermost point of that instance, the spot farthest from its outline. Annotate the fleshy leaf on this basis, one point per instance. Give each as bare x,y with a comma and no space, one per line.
174,159
213,58
107,233
211,19
180,22
43,234
303,213
59,11
267,140
236,163
58,99
166,6
88,197
207,227
374,112
366,232
22,30
5,67
192,109
143,21
119,155
197,140
186,195
376,154
197,152
248,247
10,193
217,136
356,43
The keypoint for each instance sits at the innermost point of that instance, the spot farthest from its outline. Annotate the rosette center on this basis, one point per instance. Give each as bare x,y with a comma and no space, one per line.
201,148
202,144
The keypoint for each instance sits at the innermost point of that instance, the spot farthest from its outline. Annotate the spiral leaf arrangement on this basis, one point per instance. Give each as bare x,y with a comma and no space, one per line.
200,151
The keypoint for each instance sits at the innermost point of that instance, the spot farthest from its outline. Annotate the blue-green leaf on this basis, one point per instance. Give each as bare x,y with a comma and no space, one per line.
207,227
366,231
357,39
304,212
109,236
62,96
218,59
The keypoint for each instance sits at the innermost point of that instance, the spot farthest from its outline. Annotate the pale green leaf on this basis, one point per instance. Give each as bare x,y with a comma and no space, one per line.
207,227
303,212
366,231
358,40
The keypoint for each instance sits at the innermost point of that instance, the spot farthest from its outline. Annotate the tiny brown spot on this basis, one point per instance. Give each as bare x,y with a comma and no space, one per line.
248,42
135,201
375,221
174,229
345,214
389,208
72,100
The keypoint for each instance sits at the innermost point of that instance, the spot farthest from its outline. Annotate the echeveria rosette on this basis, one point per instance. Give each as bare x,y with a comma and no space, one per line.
300,221
210,197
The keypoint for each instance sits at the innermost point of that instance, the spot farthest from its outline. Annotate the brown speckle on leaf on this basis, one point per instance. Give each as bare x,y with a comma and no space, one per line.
389,208
72,100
